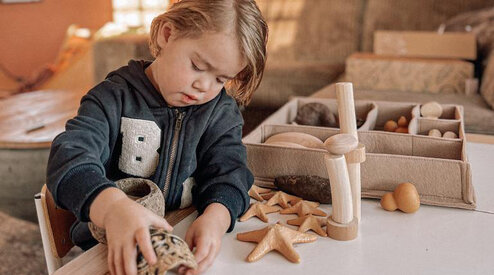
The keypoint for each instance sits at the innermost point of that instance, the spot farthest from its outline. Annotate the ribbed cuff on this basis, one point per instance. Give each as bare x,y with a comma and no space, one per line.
227,195
79,188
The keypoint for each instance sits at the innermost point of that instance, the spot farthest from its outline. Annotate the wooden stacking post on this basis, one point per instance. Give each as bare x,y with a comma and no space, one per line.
348,125
342,224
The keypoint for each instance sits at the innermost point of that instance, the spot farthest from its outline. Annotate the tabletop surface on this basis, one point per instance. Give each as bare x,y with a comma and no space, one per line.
434,240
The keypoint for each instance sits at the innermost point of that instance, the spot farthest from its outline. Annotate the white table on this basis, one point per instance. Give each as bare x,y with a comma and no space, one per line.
434,240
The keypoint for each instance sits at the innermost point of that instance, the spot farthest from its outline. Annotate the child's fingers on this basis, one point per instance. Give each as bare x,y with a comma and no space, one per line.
203,247
207,261
144,241
111,266
117,261
129,260
189,239
162,223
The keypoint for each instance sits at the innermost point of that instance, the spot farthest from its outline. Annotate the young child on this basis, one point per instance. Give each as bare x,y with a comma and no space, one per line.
170,121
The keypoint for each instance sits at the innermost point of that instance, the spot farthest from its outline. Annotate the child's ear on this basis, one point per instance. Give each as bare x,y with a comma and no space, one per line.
165,34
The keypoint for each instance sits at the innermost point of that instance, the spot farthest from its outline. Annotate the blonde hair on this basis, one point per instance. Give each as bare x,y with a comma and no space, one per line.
191,18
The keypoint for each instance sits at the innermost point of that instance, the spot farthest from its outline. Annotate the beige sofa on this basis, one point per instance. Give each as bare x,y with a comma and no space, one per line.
309,41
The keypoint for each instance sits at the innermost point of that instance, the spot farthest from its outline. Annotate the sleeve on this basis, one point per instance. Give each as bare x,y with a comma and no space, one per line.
222,175
76,172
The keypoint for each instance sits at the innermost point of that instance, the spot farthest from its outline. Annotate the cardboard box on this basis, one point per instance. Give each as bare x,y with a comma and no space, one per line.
376,72
426,44
438,167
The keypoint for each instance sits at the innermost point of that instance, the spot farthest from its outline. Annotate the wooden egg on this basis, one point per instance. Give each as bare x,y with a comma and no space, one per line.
435,133
403,130
431,110
390,126
450,134
402,121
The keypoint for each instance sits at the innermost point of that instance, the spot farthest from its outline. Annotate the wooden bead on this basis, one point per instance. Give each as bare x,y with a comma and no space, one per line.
435,133
402,121
431,110
450,134
403,130
390,126
341,144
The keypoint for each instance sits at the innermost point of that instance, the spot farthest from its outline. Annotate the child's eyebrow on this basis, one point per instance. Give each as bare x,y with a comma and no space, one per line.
210,67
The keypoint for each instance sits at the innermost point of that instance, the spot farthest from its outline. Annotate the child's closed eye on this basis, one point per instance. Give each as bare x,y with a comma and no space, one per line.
195,67
220,81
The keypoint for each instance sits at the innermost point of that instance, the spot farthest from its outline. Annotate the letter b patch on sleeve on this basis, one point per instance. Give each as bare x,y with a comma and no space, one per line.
140,142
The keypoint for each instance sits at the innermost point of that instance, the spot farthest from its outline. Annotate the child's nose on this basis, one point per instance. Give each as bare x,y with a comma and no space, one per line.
202,84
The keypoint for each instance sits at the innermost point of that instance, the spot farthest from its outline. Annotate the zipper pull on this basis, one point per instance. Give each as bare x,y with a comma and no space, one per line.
180,116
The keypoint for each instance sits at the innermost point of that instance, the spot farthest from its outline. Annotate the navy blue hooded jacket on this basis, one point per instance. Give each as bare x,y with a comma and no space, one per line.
124,128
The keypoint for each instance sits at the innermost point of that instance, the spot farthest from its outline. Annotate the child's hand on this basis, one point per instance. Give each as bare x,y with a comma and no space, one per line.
127,224
205,235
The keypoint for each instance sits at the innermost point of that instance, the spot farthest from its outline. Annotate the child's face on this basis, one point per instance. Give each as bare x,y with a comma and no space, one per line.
192,71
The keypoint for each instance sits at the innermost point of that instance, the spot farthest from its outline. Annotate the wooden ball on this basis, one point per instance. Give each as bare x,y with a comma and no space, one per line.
403,130
435,133
388,202
341,144
450,134
390,126
406,197
402,121
431,110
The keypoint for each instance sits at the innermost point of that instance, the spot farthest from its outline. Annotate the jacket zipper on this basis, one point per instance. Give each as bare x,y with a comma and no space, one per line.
173,153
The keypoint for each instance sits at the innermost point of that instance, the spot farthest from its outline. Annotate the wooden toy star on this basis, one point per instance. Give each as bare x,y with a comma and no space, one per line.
310,222
303,208
281,198
275,237
259,210
256,191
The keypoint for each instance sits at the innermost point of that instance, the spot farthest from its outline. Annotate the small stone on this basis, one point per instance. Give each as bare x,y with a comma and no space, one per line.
431,110
315,114
450,134
435,133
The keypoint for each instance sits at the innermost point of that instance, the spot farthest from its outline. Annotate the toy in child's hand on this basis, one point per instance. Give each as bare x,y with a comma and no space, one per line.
315,114
405,197
275,237
171,252
144,192
431,110
303,139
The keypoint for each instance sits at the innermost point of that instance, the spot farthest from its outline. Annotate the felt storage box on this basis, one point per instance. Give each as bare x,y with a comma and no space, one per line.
366,110
436,166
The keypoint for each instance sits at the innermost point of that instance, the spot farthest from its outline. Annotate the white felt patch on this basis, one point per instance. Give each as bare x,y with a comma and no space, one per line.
140,142
186,200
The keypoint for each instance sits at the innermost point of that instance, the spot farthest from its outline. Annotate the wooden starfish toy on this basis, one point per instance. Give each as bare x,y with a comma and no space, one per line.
256,191
281,198
310,222
303,208
275,237
259,210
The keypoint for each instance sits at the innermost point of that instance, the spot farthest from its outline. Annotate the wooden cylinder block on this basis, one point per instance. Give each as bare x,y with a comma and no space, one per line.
341,193
342,232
